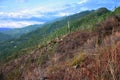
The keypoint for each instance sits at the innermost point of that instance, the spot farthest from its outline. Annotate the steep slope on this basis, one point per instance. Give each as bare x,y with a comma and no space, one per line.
84,21
74,56
38,36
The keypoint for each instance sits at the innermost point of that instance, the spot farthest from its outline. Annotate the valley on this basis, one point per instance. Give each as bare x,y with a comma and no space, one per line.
82,46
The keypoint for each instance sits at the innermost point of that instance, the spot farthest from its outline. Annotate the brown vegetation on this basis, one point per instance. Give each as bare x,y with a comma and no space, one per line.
103,64
79,55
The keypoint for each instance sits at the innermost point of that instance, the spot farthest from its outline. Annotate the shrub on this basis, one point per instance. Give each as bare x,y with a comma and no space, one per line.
78,59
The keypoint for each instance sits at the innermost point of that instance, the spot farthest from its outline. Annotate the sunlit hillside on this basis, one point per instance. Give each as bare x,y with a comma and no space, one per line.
77,40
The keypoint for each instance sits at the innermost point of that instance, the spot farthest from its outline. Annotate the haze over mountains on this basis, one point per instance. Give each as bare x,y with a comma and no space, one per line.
35,34
17,14
17,32
59,40
71,42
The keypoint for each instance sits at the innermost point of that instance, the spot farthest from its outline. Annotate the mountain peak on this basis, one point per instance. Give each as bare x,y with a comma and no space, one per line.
102,10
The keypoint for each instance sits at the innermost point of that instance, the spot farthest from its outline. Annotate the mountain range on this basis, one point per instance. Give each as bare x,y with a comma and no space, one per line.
39,34
80,46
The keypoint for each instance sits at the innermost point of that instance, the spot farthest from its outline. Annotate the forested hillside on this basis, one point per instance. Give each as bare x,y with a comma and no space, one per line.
4,37
86,20
83,46
17,32
32,39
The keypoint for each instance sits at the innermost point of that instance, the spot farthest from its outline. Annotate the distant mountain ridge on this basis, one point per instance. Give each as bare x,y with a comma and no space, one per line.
4,29
17,32
35,34
56,28
81,46
60,22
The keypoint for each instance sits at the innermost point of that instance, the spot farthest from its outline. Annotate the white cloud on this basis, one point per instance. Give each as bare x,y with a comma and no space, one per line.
44,10
27,13
84,8
61,14
20,1
82,1
7,19
21,14
17,24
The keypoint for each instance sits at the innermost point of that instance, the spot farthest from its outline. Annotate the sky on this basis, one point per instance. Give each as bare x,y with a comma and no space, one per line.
21,13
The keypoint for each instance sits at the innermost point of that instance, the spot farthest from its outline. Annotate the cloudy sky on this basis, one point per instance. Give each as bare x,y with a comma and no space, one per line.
20,13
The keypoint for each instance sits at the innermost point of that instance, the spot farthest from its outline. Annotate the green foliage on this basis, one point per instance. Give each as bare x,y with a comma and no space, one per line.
4,37
90,21
117,11
86,20
17,32
47,32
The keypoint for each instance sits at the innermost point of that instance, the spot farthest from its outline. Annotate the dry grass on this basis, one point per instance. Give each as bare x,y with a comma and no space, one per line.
100,61
103,64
